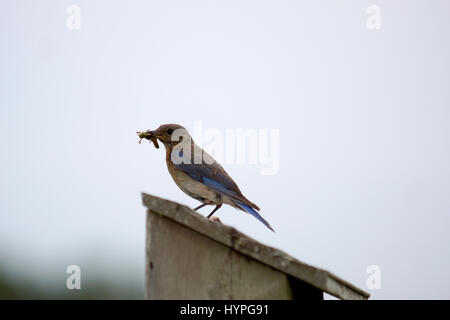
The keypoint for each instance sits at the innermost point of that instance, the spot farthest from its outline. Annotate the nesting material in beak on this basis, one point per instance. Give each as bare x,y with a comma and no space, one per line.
149,135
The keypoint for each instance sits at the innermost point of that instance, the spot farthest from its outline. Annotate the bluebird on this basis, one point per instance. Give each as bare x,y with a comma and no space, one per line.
197,174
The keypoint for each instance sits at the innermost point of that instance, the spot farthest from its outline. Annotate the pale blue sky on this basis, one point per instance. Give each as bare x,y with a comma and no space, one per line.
363,117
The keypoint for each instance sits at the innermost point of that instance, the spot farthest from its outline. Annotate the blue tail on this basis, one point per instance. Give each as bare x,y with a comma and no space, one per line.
254,213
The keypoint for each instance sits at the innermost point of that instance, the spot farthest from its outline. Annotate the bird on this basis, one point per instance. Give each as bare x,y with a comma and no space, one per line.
197,173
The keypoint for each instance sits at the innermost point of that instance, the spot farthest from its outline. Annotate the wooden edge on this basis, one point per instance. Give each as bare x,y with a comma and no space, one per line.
270,256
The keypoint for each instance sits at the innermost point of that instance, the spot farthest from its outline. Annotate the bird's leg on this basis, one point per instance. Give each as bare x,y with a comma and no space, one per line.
215,209
200,206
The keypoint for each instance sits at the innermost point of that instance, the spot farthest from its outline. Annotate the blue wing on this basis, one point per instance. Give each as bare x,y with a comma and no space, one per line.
215,177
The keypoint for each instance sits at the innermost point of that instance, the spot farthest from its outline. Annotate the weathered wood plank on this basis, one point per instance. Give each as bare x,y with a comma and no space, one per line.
183,264
229,250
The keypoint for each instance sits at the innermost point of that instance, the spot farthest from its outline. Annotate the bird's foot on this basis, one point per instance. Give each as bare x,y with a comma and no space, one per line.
215,219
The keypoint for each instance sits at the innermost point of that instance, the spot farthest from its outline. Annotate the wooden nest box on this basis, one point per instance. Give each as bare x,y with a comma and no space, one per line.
191,257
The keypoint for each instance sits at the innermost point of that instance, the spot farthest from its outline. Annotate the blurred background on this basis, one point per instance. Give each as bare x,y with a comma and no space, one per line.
363,114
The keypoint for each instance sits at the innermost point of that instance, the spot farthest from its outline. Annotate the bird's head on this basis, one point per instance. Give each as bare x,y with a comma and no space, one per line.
168,134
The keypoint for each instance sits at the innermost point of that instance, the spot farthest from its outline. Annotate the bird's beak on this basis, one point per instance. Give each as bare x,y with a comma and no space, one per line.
149,134
155,134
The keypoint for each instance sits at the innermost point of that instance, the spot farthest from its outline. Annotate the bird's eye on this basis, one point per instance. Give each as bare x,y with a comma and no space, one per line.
169,131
